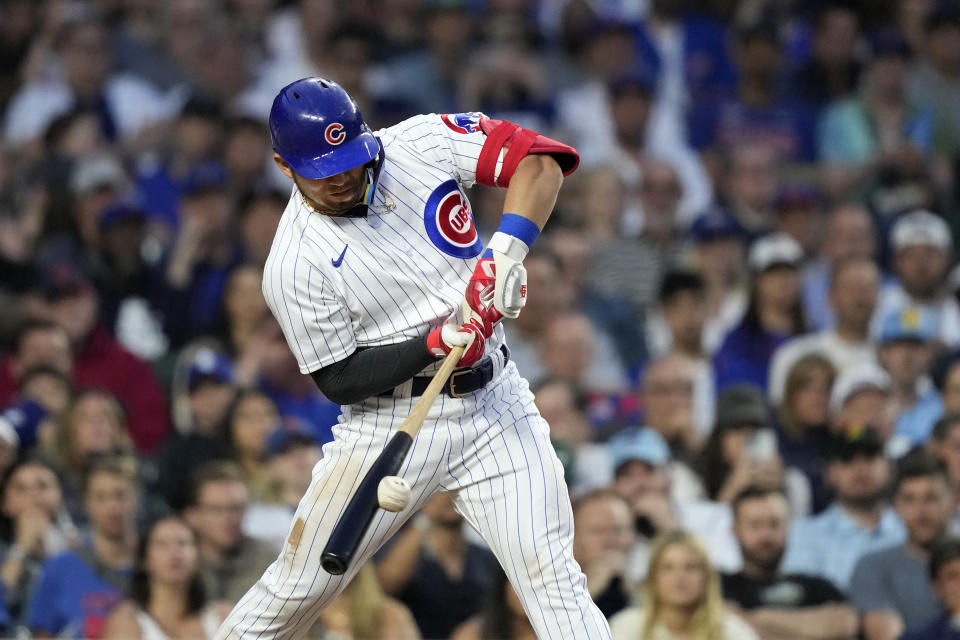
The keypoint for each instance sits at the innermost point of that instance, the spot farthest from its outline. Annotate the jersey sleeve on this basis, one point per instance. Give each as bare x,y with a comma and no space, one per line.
475,148
457,142
314,319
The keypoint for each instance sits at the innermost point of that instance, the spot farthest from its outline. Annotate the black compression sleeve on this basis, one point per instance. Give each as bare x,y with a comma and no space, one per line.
367,372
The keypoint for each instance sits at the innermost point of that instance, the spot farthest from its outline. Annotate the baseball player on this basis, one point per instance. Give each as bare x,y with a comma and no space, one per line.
375,253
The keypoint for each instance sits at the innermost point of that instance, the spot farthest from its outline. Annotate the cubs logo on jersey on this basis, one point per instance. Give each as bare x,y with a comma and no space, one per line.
449,222
463,122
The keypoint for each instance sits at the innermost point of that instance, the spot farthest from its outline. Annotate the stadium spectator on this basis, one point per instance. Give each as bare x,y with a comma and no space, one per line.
363,610
259,217
804,422
719,255
208,381
603,536
435,570
777,604
861,397
250,420
290,455
921,248
99,360
749,184
77,589
849,233
890,587
166,595
944,443
202,254
569,350
644,476
905,350
585,462
229,560
773,315
757,110
833,70
94,425
935,82
945,579
854,286
502,615
680,598
34,526
677,326
39,343
124,104
879,135
742,452
626,267
667,400
858,473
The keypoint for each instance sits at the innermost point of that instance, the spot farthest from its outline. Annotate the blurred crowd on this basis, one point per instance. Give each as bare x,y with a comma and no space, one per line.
743,322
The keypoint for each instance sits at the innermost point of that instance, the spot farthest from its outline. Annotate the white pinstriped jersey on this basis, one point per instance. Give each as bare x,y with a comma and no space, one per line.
339,283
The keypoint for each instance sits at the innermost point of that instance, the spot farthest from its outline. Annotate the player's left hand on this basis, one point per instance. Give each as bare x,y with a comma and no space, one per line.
469,335
497,288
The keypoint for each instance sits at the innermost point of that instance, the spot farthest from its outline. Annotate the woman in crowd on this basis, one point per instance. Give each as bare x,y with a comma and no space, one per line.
242,311
93,425
166,598
742,451
363,611
680,598
252,417
502,615
34,526
804,421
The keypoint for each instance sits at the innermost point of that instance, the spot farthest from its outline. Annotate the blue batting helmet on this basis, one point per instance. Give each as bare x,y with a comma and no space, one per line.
316,127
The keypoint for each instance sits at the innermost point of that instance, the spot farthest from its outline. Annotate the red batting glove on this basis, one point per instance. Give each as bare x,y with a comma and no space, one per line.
481,292
470,335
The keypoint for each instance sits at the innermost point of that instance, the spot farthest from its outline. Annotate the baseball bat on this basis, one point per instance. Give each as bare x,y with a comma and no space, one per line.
356,518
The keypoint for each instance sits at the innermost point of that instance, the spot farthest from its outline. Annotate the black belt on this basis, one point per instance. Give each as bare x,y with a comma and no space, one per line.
462,381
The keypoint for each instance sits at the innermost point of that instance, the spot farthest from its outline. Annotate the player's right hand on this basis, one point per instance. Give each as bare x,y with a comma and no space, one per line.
469,335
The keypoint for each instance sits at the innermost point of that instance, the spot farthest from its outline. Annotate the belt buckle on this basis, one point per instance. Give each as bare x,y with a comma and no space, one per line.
451,383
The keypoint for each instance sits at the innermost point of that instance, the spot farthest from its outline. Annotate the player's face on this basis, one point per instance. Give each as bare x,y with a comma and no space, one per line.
332,196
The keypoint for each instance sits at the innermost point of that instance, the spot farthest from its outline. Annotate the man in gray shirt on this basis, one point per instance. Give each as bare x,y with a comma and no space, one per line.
890,587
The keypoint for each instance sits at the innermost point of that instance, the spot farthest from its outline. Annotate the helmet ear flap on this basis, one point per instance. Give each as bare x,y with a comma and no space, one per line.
318,130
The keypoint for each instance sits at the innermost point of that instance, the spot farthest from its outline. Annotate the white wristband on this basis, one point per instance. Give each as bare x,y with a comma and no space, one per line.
510,246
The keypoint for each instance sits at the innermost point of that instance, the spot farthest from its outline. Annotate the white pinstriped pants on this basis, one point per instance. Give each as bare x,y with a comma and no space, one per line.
493,450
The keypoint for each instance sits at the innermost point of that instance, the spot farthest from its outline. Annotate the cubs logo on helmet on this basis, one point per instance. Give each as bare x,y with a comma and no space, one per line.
449,222
463,122
334,133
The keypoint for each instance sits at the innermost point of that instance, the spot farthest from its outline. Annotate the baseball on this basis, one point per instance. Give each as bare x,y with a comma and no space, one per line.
393,493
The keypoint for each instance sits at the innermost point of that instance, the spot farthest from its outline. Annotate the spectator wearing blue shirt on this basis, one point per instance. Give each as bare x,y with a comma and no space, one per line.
773,313
945,575
859,520
758,110
77,589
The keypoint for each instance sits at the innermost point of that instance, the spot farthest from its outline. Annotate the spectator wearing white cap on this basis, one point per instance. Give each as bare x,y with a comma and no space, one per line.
854,287
861,396
642,476
774,313
921,247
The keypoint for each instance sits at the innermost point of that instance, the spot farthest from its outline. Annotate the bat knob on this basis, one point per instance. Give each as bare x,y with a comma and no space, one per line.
393,493
333,564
